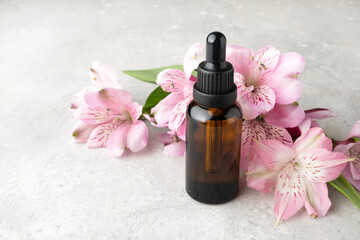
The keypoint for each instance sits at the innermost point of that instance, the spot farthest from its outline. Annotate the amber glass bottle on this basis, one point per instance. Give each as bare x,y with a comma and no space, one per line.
213,132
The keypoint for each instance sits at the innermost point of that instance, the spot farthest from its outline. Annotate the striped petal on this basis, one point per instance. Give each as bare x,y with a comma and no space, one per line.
178,113
320,165
94,116
163,109
258,101
172,80
241,85
100,135
251,131
116,144
278,133
290,194
265,61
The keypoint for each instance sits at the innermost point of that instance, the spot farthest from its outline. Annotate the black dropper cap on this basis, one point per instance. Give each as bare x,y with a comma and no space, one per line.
215,86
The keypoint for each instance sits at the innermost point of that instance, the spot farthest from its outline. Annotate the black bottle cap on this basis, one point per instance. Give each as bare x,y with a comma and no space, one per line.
215,77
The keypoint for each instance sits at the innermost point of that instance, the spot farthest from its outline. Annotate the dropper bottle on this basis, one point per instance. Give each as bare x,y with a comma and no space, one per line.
213,129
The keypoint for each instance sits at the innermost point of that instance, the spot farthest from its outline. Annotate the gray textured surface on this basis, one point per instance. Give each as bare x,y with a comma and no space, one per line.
51,188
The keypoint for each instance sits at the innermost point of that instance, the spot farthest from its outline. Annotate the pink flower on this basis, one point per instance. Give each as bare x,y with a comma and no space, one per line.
298,172
110,119
351,147
171,111
308,121
101,76
265,78
255,130
174,145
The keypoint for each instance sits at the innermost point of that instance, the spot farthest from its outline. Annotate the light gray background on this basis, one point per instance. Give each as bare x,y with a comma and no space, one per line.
52,188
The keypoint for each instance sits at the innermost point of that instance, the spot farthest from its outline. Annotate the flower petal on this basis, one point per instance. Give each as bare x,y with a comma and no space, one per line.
240,83
239,57
260,100
163,109
100,135
94,116
166,138
317,201
287,116
181,131
247,107
259,177
343,148
283,79
251,130
314,138
290,65
319,113
347,174
114,99
175,149
116,144
137,136
135,111
274,154
178,113
77,100
103,76
265,61
354,152
305,125
172,80
355,130
191,61
290,194
277,133
82,131
320,165
287,90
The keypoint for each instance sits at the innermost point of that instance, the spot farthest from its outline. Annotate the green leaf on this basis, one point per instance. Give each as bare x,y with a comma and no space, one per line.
149,75
154,98
342,185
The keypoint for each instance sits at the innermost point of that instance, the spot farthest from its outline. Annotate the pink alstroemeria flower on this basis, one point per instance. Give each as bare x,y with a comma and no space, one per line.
174,145
101,76
171,111
298,172
264,78
110,119
256,130
308,121
351,147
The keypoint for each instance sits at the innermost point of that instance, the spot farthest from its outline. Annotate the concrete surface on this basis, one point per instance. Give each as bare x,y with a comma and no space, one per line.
52,188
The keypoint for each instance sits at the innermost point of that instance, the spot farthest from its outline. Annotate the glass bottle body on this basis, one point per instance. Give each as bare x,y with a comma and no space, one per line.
213,143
